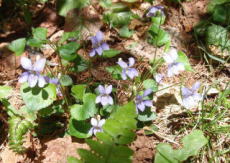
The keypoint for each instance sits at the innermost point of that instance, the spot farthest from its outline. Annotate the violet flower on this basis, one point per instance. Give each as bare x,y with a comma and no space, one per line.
33,74
154,9
140,101
191,97
98,45
104,98
174,68
97,126
127,69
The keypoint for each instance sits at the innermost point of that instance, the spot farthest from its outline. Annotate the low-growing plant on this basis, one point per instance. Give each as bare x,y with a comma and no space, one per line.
92,108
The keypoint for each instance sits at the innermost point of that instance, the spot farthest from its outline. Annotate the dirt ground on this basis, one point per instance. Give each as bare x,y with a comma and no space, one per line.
170,117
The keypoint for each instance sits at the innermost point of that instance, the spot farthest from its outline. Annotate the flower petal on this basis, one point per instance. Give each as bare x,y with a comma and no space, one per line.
99,50
189,102
39,65
122,63
101,123
175,68
54,81
108,89
104,100
92,53
32,80
170,56
24,77
91,131
147,92
94,41
141,106
105,46
148,103
186,92
132,72
99,36
110,100
152,11
124,75
98,99
41,81
101,89
96,130
94,122
26,63
131,61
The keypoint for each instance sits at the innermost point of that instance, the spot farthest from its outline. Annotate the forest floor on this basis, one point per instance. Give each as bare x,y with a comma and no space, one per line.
172,122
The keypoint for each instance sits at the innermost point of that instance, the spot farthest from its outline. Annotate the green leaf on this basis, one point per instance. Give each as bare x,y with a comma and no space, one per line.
39,33
117,131
164,154
85,111
79,129
212,4
119,19
115,71
121,124
37,98
217,35
69,35
78,91
182,58
71,159
68,51
66,80
34,43
64,6
192,143
18,46
158,36
105,3
125,32
150,83
158,20
5,91
110,53
146,115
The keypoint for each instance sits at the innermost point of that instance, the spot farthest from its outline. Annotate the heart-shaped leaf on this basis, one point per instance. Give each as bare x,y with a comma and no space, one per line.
85,111
79,129
68,51
78,91
18,46
37,98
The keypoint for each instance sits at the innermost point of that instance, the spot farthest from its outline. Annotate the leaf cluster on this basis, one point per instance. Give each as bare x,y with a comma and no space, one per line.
110,144
192,144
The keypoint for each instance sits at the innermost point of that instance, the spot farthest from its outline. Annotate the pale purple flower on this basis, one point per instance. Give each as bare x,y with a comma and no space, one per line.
33,76
190,96
154,9
97,126
127,69
140,101
159,78
174,68
104,98
98,44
